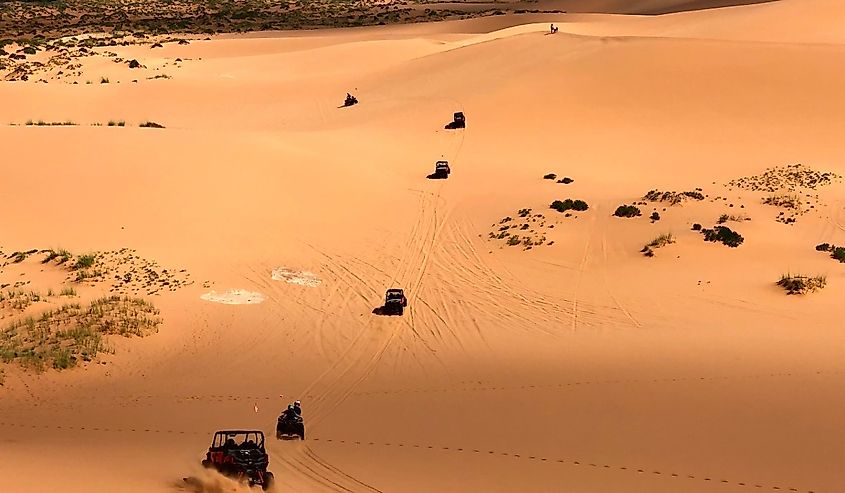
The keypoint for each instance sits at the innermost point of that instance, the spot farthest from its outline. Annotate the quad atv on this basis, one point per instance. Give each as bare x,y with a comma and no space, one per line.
441,170
459,121
240,454
394,302
350,100
290,427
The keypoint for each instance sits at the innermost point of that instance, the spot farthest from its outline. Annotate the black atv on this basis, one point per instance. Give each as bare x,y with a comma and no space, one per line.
458,121
350,100
394,302
240,454
441,170
287,427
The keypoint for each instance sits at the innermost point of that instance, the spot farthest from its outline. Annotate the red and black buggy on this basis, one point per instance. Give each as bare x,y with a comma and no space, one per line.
240,454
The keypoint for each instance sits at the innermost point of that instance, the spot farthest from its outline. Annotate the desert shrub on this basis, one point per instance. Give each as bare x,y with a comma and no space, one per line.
569,204
731,217
794,284
29,50
787,201
85,261
724,235
151,125
655,216
104,80
566,180
672,197
627,211
823,247
514,240
661,241
838,253
524,212
550,176
696,227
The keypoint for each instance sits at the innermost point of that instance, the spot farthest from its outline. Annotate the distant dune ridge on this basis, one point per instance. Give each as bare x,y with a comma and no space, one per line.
548,344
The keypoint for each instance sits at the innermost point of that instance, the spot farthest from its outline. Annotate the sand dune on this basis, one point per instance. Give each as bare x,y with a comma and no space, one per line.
578,365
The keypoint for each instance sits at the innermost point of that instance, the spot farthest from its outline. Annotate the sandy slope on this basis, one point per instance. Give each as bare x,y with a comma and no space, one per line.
577,367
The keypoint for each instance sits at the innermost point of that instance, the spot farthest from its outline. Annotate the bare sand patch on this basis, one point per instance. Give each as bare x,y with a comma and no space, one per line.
300,277
234,297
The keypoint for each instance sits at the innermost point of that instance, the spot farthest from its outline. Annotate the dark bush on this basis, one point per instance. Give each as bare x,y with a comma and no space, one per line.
566,180
550,176
838,253
824,247
569,204
627,211
694,195
724,235
655,216
696,227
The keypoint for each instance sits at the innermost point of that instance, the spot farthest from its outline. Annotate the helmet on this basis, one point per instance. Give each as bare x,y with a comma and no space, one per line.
297,403
290,406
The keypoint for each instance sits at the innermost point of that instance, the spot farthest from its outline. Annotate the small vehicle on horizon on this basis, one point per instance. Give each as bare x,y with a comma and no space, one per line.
394,302
458,121
240,454
350,100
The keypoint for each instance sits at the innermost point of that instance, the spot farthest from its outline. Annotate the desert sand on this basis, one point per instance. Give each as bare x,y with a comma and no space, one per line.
578,365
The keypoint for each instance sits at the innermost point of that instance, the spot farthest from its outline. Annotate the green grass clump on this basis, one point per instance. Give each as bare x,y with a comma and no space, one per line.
659,242
63,337
795,284
627,211
85,261
569,204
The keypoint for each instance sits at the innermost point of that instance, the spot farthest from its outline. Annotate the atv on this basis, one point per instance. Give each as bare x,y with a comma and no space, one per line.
441,170
350,100
240,454
290,427
458,121
394,302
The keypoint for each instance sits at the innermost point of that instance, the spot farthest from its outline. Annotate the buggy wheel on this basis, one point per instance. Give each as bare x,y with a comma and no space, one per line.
302,434
268,481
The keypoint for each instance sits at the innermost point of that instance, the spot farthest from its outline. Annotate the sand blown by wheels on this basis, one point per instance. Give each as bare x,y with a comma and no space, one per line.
578,364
